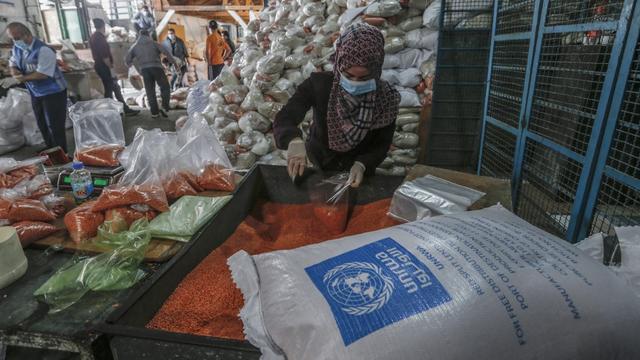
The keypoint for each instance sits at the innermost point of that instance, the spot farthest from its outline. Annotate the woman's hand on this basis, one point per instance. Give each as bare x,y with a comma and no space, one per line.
356,174
296,158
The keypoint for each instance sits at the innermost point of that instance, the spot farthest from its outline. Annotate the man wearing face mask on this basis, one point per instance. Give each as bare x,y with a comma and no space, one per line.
177,48
354,112
33,63
101,53
144,20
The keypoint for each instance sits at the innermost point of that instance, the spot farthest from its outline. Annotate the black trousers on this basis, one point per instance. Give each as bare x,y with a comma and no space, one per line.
214,71
177,75
110,85
151,77
51,114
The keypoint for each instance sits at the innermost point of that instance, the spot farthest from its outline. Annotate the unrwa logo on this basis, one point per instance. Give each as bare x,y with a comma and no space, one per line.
359,287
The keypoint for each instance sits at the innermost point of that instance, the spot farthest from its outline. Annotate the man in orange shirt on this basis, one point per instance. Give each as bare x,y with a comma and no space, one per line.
217,50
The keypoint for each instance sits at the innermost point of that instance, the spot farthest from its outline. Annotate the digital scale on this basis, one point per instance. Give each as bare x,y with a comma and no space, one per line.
102,176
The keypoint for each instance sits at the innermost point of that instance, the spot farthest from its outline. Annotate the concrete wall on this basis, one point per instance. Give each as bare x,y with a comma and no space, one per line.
24,11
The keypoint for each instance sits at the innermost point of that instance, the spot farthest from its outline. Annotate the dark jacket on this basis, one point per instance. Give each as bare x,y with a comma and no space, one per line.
314,93
100,49
178,50
145,53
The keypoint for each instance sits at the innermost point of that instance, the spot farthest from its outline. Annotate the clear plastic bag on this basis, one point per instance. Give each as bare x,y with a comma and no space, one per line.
30,231
200,150
270,64
186,216
140,183
114,270
393,45
11,117
331,202
234,94
98,131
428,195
29,210
82,223
254,121
249,138
197,100
282,90
314,9
251,101
8,165
295,61
270,109
411,24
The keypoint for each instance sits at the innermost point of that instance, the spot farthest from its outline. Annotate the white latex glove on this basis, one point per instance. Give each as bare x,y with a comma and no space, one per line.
113,73
296,157
8,82
356,174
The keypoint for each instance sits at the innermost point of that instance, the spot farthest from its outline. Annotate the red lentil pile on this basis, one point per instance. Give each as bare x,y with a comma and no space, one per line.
207,301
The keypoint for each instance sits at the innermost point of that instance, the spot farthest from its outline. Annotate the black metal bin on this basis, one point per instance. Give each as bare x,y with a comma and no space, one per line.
129,339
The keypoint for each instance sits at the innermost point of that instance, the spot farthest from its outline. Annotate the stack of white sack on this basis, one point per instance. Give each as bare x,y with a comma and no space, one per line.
293,38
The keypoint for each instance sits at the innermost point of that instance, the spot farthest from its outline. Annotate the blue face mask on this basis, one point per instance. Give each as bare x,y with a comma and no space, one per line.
356,88
20,44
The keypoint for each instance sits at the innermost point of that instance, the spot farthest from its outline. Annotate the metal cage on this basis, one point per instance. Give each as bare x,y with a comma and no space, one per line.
562,112
453,131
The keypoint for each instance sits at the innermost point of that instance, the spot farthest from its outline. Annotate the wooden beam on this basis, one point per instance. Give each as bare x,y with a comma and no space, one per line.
201,8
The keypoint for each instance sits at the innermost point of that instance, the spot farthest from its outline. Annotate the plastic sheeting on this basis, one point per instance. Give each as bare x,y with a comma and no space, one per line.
113,270
186,216
422,197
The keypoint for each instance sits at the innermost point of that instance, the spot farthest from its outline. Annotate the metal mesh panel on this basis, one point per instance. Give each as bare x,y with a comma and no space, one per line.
498,152
548,189
618,205
624,155
568,89
514,16
468,14
564,12
507,80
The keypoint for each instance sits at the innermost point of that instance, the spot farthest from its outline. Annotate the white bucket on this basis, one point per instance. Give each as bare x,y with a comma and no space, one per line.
13,263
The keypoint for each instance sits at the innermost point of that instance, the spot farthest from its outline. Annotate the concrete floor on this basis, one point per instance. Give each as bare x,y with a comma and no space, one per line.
130,123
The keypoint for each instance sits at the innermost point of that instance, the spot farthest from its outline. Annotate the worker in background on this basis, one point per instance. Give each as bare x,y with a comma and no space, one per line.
354,112
232,46
103,64
33,63
177,48
146,54
217,50
144,20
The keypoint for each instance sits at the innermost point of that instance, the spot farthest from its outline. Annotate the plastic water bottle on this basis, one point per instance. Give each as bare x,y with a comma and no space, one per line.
81,183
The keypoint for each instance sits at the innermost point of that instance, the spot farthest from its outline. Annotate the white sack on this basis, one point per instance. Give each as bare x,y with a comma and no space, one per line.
477,285
422,39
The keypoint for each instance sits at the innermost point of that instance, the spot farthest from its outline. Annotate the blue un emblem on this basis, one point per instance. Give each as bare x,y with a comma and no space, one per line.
375,285
360,287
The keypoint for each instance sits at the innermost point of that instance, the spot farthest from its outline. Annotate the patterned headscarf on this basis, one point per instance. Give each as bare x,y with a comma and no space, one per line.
349,117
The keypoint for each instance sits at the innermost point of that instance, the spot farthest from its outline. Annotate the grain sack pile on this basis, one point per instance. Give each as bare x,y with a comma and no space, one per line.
292,39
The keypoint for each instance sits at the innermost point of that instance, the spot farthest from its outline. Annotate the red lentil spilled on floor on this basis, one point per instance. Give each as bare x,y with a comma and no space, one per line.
207,301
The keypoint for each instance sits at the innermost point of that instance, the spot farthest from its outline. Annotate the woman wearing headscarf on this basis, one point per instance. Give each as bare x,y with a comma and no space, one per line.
354,112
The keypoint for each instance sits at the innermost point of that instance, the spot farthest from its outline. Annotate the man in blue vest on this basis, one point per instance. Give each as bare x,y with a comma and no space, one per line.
34,64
